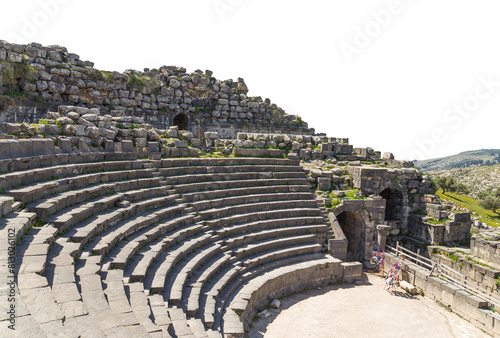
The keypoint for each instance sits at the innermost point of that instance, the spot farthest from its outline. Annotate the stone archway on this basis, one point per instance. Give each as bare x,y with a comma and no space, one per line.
353,226
394,204
181,121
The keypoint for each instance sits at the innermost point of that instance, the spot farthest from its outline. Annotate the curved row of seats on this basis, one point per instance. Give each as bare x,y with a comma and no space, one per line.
163,248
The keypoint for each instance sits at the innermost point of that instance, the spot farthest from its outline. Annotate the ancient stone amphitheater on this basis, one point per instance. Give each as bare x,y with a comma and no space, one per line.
161,203
173,247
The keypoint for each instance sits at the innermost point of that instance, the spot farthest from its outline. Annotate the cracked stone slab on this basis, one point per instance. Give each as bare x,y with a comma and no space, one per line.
65,292
73,309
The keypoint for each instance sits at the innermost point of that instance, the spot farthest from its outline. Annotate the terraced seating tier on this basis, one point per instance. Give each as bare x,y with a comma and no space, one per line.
161,248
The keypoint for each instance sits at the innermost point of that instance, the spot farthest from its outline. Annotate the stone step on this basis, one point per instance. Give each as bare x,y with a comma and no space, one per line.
38,191
192,297
200,170
228,279
263,215
173,257
118,301
34,249
266,245
221,280
84,231
95,196
143,311
25,177
151,252
236,176
218,185
159,310
105,241
16,224
197,327
174,293
211,162
228,211
273,284
245,199
225,193
180,326
144,237
95,299
249,227
268,234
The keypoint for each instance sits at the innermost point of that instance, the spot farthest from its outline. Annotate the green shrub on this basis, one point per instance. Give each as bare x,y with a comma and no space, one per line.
5,101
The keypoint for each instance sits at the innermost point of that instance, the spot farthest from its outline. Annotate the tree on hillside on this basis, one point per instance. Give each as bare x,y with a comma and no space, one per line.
462,188
446,184
490,200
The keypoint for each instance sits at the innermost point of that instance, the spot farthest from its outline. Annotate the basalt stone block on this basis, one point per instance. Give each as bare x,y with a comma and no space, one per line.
110,146
324,183
141,142
127,146
15,151
43,147
175,152
118,147
193,152
4,149
65,145
153,147
26,148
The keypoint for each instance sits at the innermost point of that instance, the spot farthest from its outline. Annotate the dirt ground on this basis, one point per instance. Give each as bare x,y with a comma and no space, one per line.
364,310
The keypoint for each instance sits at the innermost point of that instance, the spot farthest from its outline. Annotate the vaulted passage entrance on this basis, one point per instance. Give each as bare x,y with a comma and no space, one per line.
394,204
181,121
353,226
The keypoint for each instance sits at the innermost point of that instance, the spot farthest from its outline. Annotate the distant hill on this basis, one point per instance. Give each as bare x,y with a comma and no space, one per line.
476,178
475,158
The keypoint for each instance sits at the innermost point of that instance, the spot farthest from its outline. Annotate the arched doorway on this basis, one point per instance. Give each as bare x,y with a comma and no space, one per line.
393,204
353,226
181,121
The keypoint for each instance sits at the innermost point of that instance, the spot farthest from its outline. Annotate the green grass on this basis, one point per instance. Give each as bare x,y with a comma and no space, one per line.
436,221
486,216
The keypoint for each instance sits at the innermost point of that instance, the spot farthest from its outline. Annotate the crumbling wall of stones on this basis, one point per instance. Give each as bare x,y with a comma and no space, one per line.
478,274
34,74
487,250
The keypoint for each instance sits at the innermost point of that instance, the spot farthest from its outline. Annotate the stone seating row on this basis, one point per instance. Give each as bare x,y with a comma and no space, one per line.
273,284
111,192
199,170
234,161
40,161
203,196
40,190
165,264
16,178
186,179
220,185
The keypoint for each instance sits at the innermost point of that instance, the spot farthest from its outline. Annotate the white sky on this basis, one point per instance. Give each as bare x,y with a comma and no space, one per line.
397,92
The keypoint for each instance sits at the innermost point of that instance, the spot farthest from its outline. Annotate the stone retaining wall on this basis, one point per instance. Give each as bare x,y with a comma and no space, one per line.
52,75
477,275
470,307
486,250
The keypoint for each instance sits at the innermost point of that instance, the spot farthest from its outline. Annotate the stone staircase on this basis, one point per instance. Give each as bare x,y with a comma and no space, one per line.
184,247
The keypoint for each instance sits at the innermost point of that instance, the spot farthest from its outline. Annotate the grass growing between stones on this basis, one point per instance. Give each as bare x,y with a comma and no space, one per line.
486,216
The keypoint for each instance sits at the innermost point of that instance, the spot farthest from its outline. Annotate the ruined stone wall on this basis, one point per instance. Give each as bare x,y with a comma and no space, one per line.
486,250
455,230
51,75
480,276
406,183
